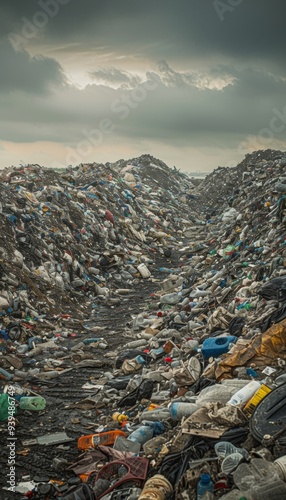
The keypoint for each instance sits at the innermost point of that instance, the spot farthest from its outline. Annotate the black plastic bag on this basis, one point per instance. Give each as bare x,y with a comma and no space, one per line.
235,326
274,289
143,391
275,317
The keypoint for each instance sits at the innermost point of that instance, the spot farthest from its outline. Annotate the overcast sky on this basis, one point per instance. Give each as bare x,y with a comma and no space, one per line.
196,83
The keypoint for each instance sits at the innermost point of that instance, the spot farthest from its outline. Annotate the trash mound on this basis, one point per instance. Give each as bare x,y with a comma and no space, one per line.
73,236
187,398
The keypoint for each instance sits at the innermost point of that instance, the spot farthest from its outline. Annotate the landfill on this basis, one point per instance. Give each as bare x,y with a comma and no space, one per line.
143,331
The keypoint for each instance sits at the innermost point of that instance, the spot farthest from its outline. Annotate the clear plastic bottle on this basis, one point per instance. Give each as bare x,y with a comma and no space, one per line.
170,298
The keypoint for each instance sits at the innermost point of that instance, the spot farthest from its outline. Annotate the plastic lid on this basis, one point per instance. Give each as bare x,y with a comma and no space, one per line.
205,478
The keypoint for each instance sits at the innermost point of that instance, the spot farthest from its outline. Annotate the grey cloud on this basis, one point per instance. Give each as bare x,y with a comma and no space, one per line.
171,77
115,76
173,114
21,72
177,31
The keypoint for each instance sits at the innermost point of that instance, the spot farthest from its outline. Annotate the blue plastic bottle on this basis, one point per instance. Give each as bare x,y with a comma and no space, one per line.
204,484
141,435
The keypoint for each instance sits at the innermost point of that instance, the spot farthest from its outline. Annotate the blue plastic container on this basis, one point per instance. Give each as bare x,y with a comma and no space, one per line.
214,347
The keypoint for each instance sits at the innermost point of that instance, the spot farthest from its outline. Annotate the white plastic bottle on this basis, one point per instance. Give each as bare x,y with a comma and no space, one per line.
243,395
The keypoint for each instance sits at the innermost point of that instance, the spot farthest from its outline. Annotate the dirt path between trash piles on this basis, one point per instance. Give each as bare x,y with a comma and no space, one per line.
36,461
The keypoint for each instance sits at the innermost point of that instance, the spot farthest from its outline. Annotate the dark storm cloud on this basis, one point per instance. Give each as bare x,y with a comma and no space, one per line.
186,29
21,72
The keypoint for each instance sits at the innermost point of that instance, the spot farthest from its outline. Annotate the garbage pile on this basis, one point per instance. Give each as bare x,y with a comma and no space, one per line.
190,402
71,234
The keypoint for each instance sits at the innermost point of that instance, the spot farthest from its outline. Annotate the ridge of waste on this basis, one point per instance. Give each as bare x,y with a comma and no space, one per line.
143,330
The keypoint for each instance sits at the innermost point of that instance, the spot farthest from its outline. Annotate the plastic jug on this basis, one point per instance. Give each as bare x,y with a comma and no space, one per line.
144,271
215,347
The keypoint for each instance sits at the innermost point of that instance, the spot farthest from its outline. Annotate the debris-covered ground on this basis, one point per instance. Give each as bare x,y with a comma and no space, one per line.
148,314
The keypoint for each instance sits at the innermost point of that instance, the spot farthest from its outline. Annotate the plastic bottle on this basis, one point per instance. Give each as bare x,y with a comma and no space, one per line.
34,403
48,375
92,340
160,414
165,270
180,410
136,343
141,435
205,484
144,271
4,375
170,298
20,374
243,395
220,392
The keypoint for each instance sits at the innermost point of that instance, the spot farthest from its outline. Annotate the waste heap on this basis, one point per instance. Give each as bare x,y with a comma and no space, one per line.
192,403
69,237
